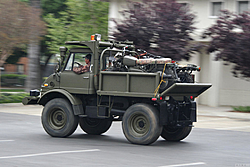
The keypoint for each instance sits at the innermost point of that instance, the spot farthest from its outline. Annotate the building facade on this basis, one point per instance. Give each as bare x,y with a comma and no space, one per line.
21,67
226,90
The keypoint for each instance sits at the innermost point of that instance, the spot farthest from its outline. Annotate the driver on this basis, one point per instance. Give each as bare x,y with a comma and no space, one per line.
81,69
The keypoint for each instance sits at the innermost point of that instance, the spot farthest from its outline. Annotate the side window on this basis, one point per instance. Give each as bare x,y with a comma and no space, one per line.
69,64
79,58
75,60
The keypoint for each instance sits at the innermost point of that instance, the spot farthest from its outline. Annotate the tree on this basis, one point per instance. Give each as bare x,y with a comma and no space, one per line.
17,19
53,6
15,56
162,27
33,79
15,26
230,40
79,21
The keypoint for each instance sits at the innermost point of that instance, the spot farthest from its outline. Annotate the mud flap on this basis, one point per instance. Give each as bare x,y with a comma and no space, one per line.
164,113
193,113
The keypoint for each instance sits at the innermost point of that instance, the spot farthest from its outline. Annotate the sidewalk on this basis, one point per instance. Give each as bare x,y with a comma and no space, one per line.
203,110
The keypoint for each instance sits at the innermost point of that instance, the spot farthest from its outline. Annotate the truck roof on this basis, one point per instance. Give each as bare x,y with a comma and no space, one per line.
118,44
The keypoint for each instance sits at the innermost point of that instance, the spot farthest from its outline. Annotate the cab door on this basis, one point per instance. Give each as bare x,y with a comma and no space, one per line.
72,82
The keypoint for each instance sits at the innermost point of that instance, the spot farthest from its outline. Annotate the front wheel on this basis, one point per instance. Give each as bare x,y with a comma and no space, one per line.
95,126
175,133
141,125
58,119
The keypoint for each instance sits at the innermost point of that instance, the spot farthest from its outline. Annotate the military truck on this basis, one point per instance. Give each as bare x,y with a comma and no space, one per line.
152,96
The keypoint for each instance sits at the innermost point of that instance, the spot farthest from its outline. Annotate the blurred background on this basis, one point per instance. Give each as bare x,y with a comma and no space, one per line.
212,34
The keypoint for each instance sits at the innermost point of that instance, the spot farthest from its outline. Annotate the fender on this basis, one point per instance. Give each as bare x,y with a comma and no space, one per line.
55,93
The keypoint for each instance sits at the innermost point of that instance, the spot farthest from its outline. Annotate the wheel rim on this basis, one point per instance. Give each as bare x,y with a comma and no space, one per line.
139,125
57,119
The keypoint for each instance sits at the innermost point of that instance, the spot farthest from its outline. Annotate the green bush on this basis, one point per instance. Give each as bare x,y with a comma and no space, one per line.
12,90
20,78
242,108
12,97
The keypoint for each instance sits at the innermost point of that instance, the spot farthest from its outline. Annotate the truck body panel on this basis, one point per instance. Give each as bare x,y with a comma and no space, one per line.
130,84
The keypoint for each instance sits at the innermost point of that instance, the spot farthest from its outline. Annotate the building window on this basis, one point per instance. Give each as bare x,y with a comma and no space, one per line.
242,6
20,68
216,8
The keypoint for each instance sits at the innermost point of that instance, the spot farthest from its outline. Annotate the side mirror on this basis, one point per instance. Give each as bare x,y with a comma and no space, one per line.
63,51
59,63
61,58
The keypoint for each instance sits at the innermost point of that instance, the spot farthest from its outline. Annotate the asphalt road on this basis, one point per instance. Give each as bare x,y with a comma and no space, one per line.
24,143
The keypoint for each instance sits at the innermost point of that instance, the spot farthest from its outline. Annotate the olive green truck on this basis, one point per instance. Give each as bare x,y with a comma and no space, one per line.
152,96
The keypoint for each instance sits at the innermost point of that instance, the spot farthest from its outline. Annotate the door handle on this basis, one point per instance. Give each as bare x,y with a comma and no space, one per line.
85,77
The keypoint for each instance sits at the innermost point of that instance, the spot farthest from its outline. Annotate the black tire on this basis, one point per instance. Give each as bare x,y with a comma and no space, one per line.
95,126
58,119
175,134
141,125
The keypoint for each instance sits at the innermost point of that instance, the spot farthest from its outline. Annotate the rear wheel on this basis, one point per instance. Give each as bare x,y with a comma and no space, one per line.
95,126
175,134
140,124
58,119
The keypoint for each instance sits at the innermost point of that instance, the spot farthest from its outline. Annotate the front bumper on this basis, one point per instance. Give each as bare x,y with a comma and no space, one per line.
30,100
33,98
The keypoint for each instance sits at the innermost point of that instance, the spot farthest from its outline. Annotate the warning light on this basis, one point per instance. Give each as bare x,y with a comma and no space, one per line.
191,97
161,98
96,37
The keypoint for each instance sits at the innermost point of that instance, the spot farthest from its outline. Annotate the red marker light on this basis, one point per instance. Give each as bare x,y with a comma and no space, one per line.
154,99
191,97
161,98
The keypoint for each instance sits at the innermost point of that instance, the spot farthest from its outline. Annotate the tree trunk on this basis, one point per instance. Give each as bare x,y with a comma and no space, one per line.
33,80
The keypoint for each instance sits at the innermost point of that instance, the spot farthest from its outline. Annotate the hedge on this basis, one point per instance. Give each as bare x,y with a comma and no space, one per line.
12,79
12,97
